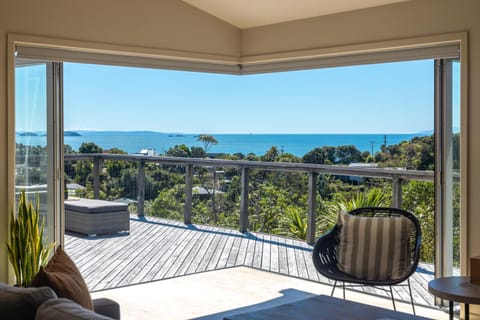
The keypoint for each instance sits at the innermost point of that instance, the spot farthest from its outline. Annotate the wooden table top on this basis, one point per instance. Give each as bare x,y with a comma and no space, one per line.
457,289
324,307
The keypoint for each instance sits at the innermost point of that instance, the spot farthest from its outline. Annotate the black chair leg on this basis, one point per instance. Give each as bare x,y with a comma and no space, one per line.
411,296
333,289
343,290
393,299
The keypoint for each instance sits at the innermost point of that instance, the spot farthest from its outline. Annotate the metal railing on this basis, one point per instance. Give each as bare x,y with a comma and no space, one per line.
397,176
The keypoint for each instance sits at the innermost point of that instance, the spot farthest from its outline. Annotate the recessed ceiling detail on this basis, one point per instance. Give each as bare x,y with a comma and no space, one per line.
254,13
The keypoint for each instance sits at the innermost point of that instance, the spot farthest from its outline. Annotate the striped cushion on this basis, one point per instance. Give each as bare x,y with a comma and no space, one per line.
374,248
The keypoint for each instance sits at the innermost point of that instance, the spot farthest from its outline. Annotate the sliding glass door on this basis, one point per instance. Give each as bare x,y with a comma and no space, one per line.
37,97
447,167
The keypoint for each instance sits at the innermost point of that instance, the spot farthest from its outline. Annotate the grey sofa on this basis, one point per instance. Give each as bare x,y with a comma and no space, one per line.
43,304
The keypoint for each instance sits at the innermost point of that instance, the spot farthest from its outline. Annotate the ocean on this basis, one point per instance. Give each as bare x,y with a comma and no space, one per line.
296,144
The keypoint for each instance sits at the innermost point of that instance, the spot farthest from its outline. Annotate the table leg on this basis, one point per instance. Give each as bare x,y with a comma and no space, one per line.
450,310
467,311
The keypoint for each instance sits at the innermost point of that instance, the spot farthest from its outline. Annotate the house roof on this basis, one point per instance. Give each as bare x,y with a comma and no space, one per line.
201,191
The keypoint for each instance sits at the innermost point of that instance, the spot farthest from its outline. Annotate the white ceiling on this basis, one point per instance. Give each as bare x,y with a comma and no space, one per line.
253,13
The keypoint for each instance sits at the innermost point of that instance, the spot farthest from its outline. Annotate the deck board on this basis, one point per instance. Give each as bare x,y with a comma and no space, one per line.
227,249
266,252
282,257
258,253
234,252
250,250
291,258
142,260
212,248
200,254
217,252
274,266
158,249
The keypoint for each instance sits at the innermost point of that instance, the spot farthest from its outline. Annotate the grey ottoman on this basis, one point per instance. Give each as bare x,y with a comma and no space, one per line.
95,217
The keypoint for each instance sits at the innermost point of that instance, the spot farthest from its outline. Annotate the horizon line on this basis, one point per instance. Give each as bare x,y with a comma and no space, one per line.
234,133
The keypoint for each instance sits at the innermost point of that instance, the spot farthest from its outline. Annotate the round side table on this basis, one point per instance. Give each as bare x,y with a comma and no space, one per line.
458,289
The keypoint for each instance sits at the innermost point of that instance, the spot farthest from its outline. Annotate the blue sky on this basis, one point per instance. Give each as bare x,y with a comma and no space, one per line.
379,98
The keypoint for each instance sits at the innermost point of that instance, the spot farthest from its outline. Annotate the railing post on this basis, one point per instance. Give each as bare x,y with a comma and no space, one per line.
141,189
312,206
187,214
96,178
397,184
244,201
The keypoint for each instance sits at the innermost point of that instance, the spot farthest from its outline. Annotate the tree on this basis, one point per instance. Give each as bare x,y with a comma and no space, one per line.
348,154
197,152
89,147
271,155
288,157
314,156
67,149
68,165
168,203
207,141
323,155
117,151
267,204
179,151
329,153
114,167
251,157
417,198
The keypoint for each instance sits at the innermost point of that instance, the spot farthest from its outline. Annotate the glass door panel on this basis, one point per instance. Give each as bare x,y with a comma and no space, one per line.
455,166
447,167
31,155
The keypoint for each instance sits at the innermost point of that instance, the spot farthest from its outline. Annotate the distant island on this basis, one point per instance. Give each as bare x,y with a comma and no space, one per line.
71,134
42,134
27,134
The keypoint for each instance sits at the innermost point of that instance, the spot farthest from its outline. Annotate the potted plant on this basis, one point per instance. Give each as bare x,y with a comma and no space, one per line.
26,245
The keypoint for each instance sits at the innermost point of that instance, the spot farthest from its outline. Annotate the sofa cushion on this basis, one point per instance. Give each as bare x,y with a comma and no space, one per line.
374,248
107,307
62,275
22,303
58,309
93,206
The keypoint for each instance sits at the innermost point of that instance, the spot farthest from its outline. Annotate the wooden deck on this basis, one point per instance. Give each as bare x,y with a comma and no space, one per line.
159,249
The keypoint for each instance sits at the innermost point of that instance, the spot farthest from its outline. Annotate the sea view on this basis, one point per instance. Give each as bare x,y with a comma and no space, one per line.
296,144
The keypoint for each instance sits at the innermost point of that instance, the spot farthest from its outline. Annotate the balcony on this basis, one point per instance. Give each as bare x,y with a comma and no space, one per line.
160,249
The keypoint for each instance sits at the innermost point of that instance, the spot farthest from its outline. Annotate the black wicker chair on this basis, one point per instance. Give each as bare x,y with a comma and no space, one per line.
325,254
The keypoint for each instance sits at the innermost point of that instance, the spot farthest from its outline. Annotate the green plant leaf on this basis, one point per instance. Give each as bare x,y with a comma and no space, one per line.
26,245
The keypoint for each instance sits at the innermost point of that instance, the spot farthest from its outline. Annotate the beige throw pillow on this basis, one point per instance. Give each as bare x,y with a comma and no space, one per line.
374,248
